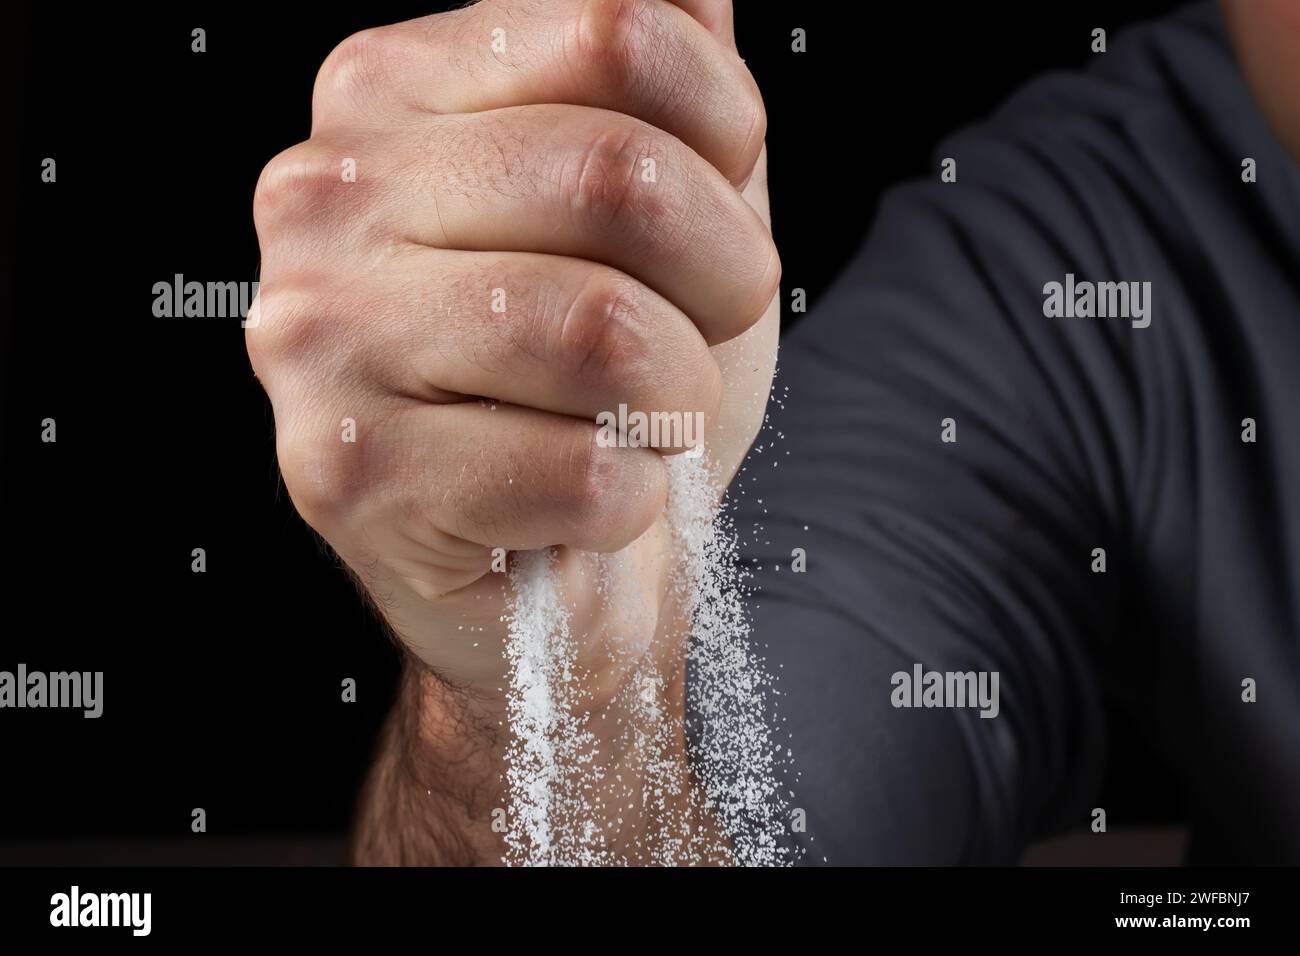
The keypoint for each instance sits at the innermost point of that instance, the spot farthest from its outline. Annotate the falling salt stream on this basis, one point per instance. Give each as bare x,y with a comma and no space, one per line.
732,755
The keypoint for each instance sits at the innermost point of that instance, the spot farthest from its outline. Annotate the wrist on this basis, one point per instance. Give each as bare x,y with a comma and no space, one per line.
438,792
429,797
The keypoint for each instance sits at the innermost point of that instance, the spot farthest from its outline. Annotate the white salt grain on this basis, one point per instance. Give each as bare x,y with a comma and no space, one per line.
557,811
538,625
733,753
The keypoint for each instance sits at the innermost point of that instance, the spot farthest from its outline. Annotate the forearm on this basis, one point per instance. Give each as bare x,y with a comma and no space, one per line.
437,793
430,793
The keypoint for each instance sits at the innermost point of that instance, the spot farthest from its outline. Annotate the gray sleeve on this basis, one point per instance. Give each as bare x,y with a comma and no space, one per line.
1073,434
970,555
974,555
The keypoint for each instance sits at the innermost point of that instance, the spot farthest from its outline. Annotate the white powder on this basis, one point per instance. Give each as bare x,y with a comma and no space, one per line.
562,807
550,749
733,754
538,628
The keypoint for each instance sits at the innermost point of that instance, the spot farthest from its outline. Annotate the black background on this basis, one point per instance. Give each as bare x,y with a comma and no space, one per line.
222,690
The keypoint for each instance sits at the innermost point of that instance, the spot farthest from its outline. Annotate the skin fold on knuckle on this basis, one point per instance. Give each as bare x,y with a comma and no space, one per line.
608,41
601,181
289,324
614,494
598,344
358,72
306,200
326,478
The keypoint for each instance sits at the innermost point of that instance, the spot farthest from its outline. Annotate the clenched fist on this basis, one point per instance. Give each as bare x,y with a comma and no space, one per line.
510,219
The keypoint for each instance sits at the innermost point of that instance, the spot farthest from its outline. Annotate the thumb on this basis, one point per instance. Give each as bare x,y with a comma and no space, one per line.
716,16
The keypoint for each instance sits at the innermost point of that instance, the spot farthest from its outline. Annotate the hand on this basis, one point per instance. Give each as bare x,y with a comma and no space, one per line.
576,164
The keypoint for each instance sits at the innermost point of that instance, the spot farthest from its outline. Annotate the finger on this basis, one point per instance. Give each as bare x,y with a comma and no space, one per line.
716,16
545,332
595,185
559,180
645,58
493,475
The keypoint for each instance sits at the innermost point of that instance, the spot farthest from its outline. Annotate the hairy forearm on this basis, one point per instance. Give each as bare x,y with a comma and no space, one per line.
438,784
435,781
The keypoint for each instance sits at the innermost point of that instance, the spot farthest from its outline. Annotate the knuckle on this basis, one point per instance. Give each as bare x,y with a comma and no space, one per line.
614,493
609,36
357,69
290,322
597,342
606,184
294,184
599,498
323,474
